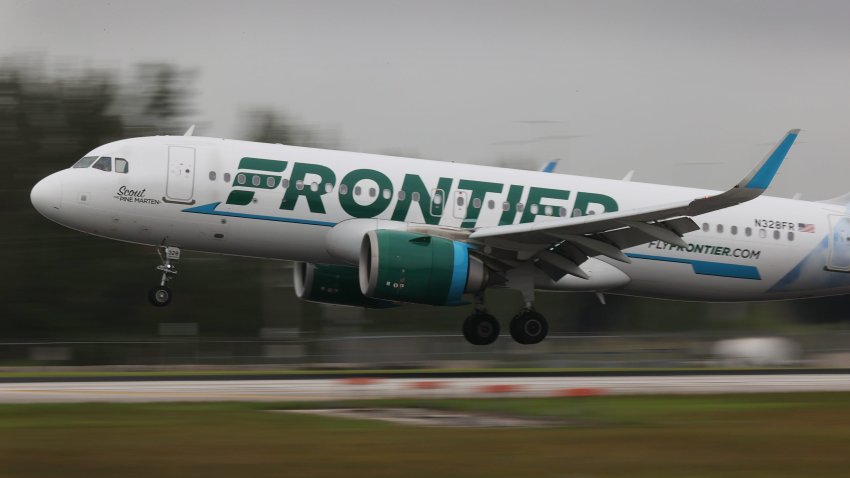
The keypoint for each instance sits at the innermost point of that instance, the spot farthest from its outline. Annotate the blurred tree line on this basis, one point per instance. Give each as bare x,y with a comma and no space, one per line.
61,284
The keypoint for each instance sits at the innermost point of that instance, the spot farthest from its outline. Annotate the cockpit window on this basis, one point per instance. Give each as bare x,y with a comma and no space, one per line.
121,165
103,164
84,162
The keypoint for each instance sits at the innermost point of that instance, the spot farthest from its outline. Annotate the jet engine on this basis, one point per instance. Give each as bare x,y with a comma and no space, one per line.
332,285
419,268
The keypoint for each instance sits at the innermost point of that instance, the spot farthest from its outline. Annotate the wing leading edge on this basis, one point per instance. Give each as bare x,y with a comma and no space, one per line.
574,239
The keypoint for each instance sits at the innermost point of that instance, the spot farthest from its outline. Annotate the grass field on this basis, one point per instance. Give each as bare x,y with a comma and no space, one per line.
777,435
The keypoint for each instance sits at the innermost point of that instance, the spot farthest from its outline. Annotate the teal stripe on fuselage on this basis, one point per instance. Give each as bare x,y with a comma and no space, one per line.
707,268
211,210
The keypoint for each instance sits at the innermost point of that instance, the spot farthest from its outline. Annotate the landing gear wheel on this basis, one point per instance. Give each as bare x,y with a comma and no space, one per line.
160,296
529,327
481,329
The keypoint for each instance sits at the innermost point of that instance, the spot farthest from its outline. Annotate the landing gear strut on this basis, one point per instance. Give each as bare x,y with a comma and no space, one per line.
160,295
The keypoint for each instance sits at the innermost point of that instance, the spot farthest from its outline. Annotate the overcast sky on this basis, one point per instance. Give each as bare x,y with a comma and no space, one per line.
685,92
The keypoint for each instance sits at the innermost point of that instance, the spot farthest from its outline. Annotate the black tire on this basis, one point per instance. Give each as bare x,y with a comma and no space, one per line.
481,329
159,296
529,327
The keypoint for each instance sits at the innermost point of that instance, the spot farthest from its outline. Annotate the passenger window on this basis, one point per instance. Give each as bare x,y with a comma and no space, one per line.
314,186
85,162
386,193
460,200
762,233
226,177
491,204
122,166
520,207
548,210
343,189
401,195
255,181
720,228
535,209
790,236
414,197
476,203
776,234
240,179
562,212
734,230
576,212
748,231
705,227
357,190
373,192
270,182
284,183
299,185
212,175
103,164
506,206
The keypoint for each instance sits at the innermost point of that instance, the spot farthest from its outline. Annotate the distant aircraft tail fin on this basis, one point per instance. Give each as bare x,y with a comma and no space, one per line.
550,166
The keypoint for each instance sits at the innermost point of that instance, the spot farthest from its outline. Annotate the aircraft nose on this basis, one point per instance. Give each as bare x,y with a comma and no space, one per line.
46,195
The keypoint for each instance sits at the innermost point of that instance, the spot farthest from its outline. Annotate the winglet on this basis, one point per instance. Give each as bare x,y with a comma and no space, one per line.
190,131
752,186
762,175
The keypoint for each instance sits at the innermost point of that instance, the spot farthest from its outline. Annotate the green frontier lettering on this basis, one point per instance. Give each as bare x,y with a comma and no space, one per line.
246,179
415,191
534,197
381,197
478,189
508,215
379,193
314,197
584,200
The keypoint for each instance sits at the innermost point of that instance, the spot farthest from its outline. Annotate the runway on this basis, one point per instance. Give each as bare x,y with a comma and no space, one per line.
358,388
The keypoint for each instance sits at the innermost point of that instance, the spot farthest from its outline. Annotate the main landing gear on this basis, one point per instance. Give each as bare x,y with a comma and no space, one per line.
481,328
527,327
160,295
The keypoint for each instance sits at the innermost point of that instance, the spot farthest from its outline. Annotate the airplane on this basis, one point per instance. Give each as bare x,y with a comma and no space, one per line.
377,231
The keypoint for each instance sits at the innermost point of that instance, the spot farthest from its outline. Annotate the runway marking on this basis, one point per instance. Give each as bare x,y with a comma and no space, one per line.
334,389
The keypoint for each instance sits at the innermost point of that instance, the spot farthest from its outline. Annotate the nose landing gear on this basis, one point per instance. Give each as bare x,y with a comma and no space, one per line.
160,295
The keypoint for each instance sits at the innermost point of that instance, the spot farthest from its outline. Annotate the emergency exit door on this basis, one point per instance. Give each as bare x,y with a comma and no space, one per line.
181,174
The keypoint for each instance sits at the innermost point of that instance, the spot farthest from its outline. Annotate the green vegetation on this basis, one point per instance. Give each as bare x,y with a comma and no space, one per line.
779,435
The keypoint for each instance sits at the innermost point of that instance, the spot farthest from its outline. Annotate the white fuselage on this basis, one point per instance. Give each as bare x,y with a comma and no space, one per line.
280,202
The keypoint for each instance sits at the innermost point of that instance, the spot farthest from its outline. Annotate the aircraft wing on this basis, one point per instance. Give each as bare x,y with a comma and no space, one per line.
559,246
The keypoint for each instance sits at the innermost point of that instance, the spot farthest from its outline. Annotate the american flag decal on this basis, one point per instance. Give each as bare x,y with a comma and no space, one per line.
804,227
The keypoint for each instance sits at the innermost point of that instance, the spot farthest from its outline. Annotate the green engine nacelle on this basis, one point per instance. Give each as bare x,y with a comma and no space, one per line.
418,268
332,285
